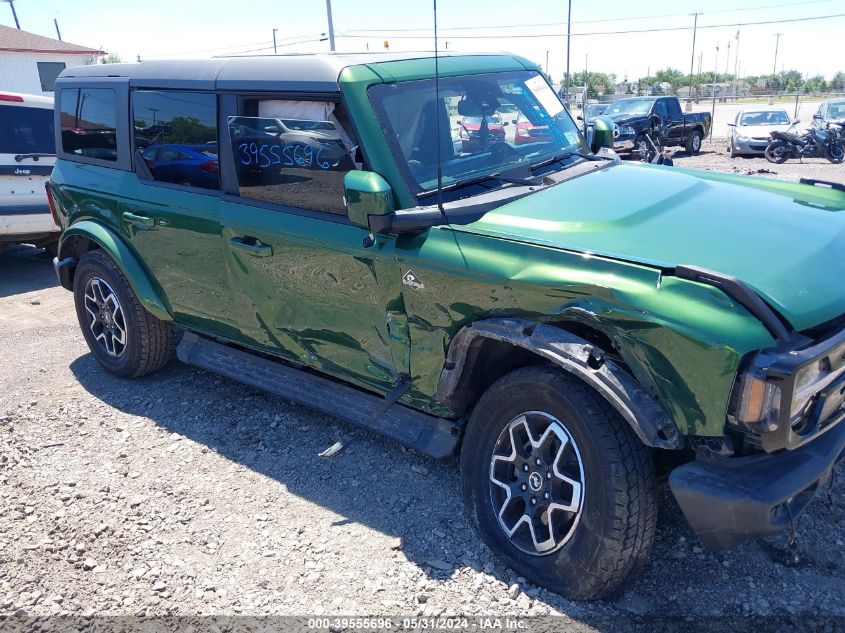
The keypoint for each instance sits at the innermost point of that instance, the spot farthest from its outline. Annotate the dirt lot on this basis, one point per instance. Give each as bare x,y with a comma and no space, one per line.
714,156
184,493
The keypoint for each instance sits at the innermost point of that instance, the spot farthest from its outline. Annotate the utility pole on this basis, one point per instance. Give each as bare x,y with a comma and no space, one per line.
713,111
58,32
546,67
727,64
331,25
692,57
736,66
275,52
14,13
647,80
775,65
568,37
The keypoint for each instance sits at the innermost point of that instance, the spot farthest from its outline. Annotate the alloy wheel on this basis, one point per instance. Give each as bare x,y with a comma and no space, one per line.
537,483
105,316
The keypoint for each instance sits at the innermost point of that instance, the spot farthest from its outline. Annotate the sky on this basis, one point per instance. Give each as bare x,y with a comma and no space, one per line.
162,29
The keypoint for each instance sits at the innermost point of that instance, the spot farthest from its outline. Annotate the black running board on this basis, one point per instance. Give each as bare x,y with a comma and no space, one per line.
436,437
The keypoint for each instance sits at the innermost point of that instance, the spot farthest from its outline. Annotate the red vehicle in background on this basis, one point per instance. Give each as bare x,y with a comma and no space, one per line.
470,132
527,132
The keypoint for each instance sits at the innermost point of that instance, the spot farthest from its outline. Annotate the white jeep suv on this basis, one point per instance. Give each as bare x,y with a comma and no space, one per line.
27,155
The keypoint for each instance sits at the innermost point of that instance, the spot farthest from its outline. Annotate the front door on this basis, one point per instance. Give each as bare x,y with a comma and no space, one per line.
305,282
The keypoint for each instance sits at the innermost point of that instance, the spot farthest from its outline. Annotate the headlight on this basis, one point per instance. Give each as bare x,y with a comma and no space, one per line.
742,137
626,130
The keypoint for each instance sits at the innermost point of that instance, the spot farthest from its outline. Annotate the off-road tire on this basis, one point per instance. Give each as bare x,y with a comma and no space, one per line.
693,144
611,541
150,342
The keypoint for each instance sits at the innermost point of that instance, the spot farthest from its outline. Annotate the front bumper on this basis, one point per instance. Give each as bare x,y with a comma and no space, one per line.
623,146
728,501
751,146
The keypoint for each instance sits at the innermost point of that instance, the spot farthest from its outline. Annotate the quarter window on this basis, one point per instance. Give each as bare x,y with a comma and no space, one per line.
292,153
176,135
88,123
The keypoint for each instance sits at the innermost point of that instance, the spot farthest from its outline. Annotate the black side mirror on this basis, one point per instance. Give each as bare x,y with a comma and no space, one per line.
655,119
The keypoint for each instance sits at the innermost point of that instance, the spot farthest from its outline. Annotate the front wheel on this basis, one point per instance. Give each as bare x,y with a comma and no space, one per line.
127,340
558,485
778,152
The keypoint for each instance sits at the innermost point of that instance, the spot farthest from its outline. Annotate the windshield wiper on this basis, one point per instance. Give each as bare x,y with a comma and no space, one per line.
34,156
561,157
460,184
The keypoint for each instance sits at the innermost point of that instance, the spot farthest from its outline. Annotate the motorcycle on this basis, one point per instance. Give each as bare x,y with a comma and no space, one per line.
822,143
654,153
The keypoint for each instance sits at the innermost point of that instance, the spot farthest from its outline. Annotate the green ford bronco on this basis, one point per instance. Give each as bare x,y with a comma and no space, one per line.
431,250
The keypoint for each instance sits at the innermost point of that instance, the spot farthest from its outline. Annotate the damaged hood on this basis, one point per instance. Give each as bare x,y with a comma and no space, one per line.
785,240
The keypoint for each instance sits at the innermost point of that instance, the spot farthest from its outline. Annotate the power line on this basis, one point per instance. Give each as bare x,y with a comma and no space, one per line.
627,19
349,34
270,48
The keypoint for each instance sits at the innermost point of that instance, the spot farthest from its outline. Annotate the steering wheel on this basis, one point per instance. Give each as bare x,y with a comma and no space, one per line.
500,151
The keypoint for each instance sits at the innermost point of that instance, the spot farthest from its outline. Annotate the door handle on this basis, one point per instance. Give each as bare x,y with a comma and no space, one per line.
141,221
251,246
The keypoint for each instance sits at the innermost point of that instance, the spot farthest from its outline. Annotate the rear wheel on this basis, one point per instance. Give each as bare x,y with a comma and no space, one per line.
693,145
778,152
558,484
127,340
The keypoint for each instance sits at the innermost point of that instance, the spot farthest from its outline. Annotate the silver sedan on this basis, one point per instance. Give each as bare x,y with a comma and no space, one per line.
750,131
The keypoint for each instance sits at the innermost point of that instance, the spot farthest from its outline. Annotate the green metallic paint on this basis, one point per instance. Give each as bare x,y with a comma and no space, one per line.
784,240
129,265
602,133
366,194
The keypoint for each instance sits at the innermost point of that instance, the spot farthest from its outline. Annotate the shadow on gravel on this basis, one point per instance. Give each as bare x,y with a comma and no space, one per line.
25,269
379,484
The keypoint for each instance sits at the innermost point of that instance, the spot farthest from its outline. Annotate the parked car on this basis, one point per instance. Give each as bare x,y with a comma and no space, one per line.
751,130
574,325
320,136
830,111
635,115
470,131
27,154
528,132
184,164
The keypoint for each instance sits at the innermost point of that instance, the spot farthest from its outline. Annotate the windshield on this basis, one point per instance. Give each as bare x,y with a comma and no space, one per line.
778,117
478,126
630,106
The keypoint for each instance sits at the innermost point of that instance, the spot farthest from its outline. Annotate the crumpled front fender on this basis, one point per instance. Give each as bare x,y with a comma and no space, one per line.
571,353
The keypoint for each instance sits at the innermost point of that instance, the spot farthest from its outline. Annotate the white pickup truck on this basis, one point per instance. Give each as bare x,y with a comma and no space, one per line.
27,155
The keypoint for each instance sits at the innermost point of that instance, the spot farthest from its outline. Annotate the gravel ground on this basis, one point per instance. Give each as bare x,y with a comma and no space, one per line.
185,493
714,157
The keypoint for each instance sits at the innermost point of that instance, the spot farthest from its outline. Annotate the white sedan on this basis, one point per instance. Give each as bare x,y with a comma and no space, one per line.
750,131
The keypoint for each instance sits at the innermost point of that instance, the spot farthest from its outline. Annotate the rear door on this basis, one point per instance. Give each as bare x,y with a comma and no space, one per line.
174,222
27,155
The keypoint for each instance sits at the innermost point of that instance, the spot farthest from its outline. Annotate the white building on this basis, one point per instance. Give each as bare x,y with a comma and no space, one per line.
30,63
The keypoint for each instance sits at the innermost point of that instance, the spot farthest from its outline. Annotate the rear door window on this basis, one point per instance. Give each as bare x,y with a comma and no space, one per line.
26,130
88,123
176,134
